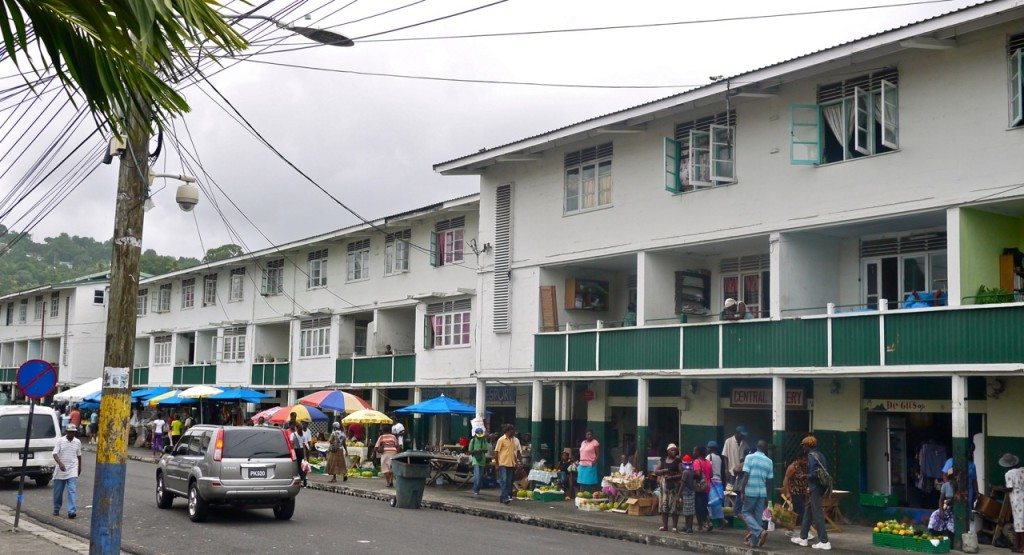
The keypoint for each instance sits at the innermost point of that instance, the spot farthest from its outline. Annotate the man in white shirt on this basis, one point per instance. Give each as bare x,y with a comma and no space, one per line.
734,449
68,455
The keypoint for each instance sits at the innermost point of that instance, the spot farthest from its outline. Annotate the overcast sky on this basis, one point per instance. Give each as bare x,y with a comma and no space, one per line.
372,141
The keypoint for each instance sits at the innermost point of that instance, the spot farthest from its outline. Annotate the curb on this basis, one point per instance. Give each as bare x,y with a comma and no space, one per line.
645,538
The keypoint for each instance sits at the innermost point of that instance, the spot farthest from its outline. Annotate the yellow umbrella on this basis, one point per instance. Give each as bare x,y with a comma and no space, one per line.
367,416
154,401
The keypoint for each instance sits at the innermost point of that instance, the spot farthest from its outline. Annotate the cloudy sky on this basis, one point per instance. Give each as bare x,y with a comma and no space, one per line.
371,140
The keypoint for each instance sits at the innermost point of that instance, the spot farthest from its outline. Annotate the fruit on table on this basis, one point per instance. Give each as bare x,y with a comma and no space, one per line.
366,474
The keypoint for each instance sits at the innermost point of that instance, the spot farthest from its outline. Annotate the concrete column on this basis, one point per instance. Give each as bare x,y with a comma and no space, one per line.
377,400
417,419
641,289
559,416
564,424
778,426
775,269
643,410
954,287
536,418
961,445
481,399
292,395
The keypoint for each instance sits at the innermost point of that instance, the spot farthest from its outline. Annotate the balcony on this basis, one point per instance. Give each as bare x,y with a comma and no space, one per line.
377,369
195,374
271,373
978,334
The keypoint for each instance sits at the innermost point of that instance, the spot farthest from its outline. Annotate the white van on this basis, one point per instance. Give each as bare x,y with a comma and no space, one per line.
45,433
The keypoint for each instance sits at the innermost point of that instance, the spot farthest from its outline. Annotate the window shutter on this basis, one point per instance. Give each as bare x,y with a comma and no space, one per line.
862,105
1017,87
700,158
428,331
890,115
805,134
723,167
673,154
433,249
502,258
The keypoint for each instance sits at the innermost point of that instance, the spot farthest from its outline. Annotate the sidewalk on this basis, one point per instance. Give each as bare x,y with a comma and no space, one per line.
31,537
564,516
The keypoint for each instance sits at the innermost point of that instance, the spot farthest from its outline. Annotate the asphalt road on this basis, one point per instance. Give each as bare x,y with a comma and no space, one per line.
323,522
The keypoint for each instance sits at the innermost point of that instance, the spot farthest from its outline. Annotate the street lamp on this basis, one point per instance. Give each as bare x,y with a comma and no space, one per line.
323,36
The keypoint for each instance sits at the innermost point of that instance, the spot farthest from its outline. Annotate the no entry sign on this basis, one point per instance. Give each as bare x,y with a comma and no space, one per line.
36,379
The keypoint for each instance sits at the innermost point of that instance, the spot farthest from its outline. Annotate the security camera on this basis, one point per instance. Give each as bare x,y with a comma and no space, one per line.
187,196
115,147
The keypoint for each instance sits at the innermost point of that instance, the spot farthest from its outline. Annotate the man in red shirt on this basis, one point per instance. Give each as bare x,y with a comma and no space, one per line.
76,418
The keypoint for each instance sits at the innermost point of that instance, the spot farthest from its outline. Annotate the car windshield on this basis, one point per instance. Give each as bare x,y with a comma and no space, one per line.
255,442
12,426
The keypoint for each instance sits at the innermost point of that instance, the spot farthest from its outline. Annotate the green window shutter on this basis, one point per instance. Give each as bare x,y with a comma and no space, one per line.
673,153
805,134
1017,87
433,249
890,115
428,331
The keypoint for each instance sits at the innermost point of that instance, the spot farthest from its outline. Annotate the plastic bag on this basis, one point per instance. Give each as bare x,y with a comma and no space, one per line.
540,465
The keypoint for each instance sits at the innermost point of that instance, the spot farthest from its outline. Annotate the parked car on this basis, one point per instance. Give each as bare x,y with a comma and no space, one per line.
45,433
252,467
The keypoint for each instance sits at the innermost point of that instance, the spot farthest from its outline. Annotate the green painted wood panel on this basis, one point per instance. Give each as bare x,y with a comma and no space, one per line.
343,370
405,368
582,351
700,347
195,375
140,376
976,336
784,343
549,353
640,349
256,374
855,341
367,370
282,372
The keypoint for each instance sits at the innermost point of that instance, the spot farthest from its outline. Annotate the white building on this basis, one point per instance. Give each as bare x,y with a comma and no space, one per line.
835,194
63,323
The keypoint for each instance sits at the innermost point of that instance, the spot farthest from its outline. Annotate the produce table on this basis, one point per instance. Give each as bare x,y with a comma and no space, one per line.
833,514
543,476
447,467
356,455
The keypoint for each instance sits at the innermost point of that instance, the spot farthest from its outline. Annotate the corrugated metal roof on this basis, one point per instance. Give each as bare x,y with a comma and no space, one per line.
717,83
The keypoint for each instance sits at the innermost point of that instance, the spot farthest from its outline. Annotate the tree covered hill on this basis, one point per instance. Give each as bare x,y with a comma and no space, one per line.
29,264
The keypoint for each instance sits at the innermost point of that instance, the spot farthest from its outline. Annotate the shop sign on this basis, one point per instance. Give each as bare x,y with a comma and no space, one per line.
752,397
907,405
501,396
588,395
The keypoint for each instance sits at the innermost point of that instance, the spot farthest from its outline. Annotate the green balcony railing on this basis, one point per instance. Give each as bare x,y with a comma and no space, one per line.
140,376
8,375
271,373
975,334
377,369
195,374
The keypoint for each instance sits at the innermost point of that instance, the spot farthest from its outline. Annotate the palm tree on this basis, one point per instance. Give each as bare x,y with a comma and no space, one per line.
121,55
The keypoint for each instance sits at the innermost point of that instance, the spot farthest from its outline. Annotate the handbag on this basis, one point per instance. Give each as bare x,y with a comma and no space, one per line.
822,476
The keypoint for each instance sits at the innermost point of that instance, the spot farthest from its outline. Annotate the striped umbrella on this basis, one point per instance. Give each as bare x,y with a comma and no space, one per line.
302,414
334,400
266,414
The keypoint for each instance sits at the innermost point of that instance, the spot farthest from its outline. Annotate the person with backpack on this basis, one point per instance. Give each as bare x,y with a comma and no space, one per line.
819,484
702,487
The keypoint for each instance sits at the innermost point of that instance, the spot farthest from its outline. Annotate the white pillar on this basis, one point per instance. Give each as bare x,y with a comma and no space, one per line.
778,404
959,407
953,286
537,402
641,289
481,398
377,400
291,397
775,270
558,402
643,404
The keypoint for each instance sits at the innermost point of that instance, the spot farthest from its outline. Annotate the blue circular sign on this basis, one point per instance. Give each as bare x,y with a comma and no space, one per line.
36,378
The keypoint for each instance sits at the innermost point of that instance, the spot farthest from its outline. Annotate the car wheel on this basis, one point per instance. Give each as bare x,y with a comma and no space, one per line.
197,506
285,509
164,498
43,481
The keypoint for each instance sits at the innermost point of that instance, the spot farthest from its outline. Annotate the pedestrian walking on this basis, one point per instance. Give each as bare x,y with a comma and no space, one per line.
819,481
75,417
94,426
716,491
189,422
478,452
733,450
68,455
65,419
1015,479
507,457
176,424
337,453
158,426
794,486
588,476
702,487
387,448
758,471
670,473
687,495
300,449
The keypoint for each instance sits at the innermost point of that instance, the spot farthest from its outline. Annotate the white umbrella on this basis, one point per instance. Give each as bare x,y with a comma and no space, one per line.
77,393
200,391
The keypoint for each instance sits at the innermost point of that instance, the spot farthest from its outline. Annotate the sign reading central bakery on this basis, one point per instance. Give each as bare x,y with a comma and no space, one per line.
763,398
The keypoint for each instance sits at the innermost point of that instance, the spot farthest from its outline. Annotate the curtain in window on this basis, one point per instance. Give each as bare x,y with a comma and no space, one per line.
833,114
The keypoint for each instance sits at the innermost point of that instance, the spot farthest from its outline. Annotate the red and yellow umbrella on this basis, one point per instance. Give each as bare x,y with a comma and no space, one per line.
302,414
334,400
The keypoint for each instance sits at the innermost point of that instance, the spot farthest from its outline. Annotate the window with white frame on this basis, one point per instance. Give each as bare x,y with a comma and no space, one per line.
39,306
237,290
315,337
54,304
448,324
358,260
273,277
702,154
1015,50
97,296
234,344
396,252
896,268
162,301
162,349
447,241
209,289
852,118
746,279
316,268
23,311
142,302
588,178
188,293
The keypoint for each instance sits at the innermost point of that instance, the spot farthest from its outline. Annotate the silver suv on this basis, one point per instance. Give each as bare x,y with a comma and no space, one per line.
231,465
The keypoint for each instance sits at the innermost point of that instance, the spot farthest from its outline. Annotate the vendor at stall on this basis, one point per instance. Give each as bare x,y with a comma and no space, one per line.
588,476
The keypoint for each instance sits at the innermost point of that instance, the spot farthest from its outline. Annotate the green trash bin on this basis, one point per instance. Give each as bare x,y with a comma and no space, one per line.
411,470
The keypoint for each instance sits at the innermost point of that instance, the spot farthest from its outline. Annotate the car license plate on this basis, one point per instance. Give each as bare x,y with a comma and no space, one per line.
22,455
257,473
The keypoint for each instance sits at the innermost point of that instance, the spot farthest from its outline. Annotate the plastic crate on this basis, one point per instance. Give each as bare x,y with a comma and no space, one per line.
877,500
925,546
888,540
548,496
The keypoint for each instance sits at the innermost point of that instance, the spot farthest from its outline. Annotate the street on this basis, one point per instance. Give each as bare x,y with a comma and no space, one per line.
323,522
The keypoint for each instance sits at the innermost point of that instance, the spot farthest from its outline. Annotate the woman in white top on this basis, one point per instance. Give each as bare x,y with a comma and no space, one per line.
158,425
625,468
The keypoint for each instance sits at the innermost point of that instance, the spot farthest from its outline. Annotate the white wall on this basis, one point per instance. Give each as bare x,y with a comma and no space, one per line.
809,278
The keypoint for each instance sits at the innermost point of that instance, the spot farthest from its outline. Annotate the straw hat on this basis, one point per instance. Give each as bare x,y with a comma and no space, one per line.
1009,460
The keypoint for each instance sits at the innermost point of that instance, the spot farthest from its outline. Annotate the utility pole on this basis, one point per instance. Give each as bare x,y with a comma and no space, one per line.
119,354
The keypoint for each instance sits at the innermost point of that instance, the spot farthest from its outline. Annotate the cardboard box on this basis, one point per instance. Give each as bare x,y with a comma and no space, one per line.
645,506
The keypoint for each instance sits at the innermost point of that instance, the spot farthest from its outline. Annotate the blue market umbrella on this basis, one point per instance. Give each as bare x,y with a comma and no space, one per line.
146,393
440,405
92,398
241,394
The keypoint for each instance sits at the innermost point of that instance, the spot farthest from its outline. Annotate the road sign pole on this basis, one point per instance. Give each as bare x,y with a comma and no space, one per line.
24,462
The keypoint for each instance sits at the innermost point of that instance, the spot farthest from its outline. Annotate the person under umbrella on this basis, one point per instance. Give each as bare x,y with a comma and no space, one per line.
337,454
